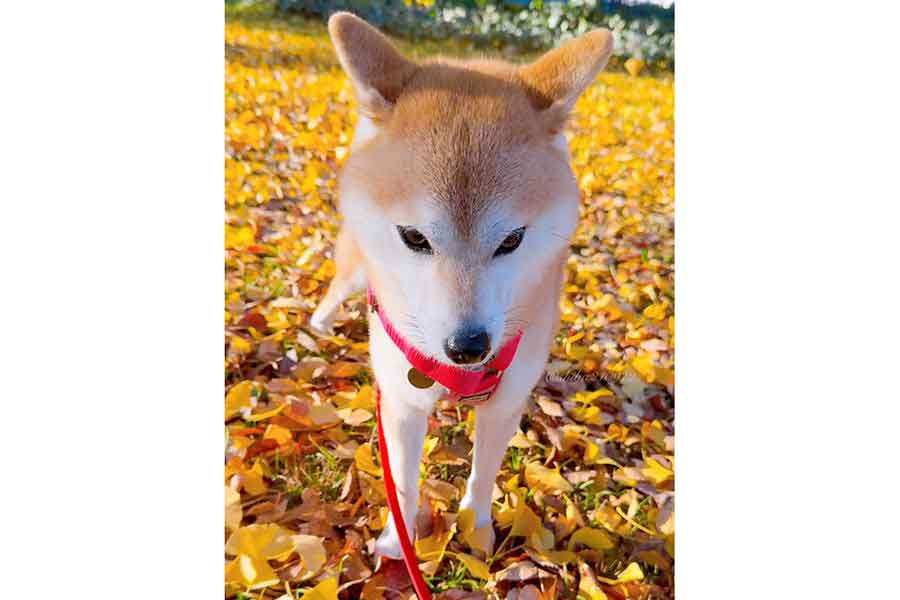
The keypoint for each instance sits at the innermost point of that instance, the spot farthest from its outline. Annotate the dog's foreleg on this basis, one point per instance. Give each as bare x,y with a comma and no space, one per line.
404,430
495,424
349,278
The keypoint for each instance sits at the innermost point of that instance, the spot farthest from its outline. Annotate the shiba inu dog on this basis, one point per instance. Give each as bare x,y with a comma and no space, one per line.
458,201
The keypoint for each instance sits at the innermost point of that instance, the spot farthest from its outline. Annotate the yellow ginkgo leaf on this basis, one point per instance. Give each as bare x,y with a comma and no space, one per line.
592,538
253,481
266,541
656,473
643,364
478,568
665,376
590,397
544,479
608,304
524,521
250,572
589,415
541,539
466,520
364,460
559,557
480,538
262,416
431,442
233,513
656,311
240,345
280,434
325,590
631,573
238,397
364,399
238,237
591,452
432,547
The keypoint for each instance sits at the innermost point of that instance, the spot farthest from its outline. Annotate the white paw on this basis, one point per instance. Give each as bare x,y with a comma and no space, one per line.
388,544
321,321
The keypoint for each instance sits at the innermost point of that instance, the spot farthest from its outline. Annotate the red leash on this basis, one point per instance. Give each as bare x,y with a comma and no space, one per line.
409,553
467,386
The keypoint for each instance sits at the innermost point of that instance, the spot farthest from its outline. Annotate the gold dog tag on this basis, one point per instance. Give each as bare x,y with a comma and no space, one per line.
419,379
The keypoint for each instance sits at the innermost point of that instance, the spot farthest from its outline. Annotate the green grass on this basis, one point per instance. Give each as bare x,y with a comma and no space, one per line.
322,470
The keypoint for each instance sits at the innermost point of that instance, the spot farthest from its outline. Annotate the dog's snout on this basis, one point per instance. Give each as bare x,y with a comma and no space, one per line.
468,345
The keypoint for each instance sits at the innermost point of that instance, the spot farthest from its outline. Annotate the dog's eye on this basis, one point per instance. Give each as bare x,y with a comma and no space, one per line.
414,239
511,242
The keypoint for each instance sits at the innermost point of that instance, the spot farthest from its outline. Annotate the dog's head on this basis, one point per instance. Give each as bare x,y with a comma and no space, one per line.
458,187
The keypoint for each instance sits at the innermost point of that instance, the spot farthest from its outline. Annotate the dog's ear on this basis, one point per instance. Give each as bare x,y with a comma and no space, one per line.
376,69
556,80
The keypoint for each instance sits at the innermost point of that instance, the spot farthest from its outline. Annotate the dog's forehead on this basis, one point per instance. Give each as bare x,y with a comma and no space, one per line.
465,142
469,129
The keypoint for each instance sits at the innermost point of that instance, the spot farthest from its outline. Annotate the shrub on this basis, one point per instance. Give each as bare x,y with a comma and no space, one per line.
642,31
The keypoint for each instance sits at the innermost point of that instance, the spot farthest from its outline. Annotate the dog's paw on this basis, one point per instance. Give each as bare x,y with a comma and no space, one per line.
321,321
388,544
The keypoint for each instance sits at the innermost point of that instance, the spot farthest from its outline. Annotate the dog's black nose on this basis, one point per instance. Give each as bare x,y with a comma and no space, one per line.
468,345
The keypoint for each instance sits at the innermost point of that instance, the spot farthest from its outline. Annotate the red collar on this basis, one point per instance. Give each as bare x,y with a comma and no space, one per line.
465,385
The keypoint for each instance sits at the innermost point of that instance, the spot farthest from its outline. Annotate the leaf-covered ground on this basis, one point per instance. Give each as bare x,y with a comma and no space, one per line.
584,503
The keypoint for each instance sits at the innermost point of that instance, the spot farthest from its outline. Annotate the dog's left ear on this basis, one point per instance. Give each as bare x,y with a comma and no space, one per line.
556,80
376,69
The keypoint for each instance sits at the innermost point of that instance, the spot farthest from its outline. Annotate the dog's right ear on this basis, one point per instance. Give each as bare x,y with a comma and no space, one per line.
376,69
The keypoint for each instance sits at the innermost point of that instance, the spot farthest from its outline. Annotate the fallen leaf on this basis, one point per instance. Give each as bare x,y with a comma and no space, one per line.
478,568
311,551
238,398
547,480
592,538
325,590
432,547
631,573
233,513
364,460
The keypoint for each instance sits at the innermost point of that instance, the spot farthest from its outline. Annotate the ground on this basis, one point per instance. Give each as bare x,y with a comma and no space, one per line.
584,501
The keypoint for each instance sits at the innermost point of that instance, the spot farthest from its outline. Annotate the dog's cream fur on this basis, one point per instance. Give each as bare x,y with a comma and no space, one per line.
466,152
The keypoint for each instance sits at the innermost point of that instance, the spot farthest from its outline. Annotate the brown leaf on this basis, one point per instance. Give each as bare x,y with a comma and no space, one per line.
374,588
550,407
268,351
260,447
281,386
520,571
344,369
254,320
